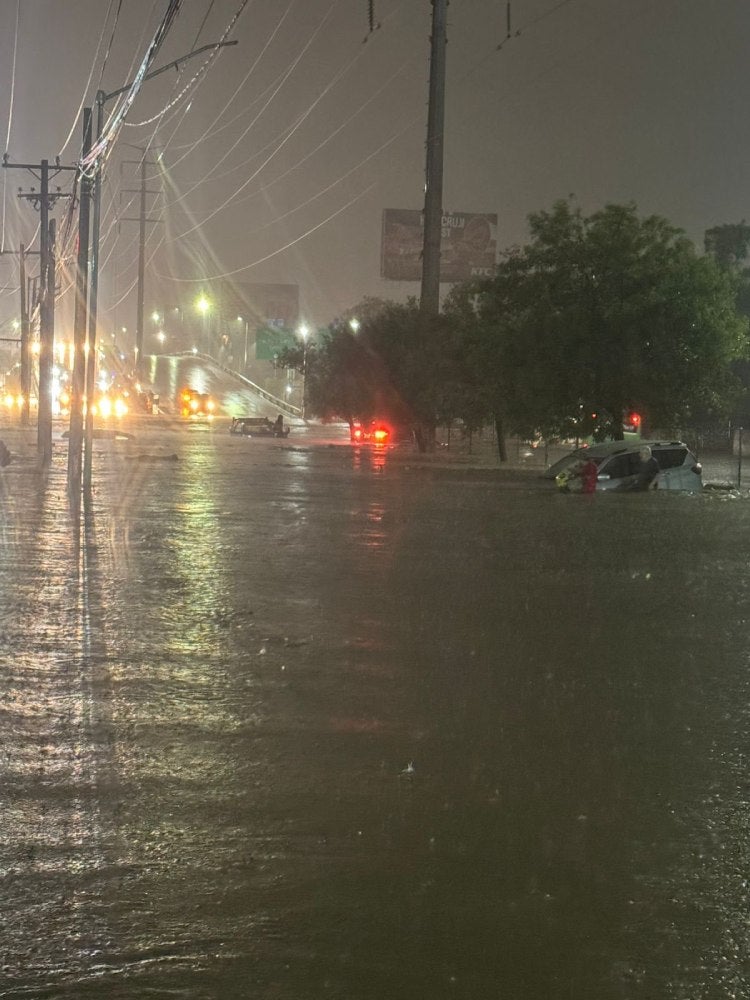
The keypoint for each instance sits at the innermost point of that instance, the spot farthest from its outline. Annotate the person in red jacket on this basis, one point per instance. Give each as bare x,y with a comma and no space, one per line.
587,474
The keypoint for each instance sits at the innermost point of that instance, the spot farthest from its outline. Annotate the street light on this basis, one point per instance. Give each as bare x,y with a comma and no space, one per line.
203,306
304,332
241,319
354,324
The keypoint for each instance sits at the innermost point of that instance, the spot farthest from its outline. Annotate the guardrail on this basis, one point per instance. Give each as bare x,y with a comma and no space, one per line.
289,408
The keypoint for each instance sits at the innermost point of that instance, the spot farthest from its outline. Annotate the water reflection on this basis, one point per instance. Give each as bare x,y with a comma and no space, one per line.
290,727
369,459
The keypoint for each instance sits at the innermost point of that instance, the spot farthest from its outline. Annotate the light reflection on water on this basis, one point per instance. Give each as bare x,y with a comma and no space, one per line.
210,708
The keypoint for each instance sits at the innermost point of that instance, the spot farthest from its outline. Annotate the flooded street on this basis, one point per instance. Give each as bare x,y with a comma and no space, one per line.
297,720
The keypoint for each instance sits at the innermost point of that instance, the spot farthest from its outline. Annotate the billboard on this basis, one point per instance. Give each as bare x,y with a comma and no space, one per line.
468,247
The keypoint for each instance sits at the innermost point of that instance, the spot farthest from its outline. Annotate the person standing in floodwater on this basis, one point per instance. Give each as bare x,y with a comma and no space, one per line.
647,471
588,475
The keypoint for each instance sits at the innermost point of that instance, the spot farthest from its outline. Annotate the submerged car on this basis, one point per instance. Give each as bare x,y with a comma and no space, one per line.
259,427
618,465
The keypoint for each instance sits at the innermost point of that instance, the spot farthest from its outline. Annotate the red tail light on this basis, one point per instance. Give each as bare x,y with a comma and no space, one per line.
380,434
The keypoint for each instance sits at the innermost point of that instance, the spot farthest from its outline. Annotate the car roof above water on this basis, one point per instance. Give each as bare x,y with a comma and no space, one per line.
603,449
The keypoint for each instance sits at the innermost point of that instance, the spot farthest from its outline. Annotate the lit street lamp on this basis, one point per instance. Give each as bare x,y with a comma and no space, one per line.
203,306
241,319
304,332
354,324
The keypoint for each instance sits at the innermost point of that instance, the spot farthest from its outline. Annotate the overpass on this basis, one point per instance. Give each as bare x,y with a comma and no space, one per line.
234,394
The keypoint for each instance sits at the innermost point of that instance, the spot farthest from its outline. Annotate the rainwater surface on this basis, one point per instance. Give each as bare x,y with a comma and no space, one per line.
295,721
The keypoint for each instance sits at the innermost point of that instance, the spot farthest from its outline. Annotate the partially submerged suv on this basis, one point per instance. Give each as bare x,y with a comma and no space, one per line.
618,463
259,427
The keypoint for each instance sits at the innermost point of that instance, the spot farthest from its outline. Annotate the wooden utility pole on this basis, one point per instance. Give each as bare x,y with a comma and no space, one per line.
44,200
141,271
142,219
46,328
96,197
25,342
80,316
429,301
46,336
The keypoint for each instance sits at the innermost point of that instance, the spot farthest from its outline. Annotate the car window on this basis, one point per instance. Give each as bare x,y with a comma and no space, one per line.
568,461
620,466
670,458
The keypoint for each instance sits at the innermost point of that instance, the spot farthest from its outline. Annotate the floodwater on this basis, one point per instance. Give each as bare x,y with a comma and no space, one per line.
295,721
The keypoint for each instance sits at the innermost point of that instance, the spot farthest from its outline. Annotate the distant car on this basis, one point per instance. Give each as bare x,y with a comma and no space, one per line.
258,427
373,431
147,399
109,404
196,404
618,462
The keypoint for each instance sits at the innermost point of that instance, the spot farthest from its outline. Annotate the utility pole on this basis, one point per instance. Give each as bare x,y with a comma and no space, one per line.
142,218
429,301
25,346
141,271
101,100
80,317
88,431
46,329
44,200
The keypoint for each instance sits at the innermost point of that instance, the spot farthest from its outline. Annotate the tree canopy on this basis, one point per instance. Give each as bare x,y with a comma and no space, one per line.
395,364
594,317
600,315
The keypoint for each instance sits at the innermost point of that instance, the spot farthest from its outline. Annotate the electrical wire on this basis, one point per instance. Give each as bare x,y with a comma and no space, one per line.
329,137
275,253
291,211
111,40
282,137
101,148
197,77
320,193
286,139
10,114
88,82
286,135
208,133
276,180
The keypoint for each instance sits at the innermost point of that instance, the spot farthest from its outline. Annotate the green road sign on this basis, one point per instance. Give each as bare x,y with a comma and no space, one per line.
270,342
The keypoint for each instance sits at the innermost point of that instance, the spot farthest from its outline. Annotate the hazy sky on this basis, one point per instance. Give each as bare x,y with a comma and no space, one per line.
279,162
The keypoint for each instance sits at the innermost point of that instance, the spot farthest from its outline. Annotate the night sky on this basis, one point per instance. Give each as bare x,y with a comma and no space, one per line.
277,166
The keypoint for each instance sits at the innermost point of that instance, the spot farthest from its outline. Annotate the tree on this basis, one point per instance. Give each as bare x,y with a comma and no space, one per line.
394,363
729,244
600,315
419,358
